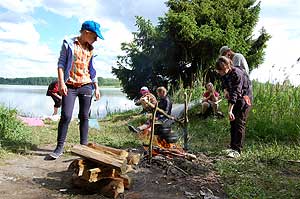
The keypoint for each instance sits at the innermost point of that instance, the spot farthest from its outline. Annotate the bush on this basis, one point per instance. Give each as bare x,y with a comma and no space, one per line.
275,113
14,135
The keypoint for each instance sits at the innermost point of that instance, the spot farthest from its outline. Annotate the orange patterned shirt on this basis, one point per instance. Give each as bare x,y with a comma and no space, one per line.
79,73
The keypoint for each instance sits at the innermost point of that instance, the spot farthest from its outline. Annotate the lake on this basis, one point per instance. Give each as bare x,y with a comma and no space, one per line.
32,101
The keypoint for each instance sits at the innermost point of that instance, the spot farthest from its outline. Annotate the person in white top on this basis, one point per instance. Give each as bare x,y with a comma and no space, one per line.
238,59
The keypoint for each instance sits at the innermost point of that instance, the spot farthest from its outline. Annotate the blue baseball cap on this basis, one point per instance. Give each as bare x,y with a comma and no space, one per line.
92,26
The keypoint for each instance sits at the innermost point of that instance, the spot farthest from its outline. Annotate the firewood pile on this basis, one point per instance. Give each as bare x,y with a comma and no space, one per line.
102,169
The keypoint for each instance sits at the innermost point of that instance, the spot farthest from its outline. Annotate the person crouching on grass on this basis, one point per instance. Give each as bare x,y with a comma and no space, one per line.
238,86
53,92
77,78
210,100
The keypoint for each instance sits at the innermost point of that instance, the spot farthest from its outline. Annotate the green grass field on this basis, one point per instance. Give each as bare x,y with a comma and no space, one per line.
266,169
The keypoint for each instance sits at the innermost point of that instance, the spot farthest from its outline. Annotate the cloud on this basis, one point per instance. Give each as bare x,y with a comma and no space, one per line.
283,49
23,50
117,19
19,6
123,11
71,8
126,10
24,32
21,53
109,48
279,3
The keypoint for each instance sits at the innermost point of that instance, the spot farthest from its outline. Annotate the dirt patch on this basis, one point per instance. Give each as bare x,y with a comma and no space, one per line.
31,177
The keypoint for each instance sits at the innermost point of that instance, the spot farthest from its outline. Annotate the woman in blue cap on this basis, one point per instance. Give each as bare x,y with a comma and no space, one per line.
77,78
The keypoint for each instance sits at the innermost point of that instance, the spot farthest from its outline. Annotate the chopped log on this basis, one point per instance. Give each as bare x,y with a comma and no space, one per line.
122,154
111,187
126,181
77,166
101,158
133,158
91,175
79,182
129,168
105,172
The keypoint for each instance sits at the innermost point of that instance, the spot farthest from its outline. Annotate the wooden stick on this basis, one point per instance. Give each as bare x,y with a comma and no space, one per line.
152,133
164,113
180,169
185,133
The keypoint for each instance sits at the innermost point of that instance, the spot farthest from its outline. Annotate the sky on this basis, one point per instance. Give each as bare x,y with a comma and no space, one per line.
32,31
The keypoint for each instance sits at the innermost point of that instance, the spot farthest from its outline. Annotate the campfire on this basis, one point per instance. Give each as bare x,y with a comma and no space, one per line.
162,147
162,143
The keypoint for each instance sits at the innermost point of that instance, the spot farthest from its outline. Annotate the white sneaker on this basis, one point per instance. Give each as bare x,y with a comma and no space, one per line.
227,151
233,154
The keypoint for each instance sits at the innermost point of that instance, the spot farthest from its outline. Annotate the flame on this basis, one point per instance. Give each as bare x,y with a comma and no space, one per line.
162,143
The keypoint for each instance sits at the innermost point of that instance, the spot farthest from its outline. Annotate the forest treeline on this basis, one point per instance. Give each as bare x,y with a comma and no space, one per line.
47,80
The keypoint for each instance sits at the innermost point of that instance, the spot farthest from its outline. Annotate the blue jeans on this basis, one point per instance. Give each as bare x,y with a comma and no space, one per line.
84,95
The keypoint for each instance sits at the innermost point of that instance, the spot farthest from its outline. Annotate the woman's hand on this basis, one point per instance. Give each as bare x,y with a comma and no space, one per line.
231,116
63,90
97,94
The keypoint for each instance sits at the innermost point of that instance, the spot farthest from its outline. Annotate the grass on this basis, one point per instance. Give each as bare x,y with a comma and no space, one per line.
265,169
113,132
263,172
14,136
272,140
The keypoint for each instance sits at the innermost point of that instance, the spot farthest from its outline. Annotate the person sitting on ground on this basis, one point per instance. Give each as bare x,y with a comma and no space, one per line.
53,92
164,104
210,100
148,102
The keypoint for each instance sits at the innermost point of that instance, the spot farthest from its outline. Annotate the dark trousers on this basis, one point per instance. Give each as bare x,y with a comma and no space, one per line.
57,101
84,95
238,127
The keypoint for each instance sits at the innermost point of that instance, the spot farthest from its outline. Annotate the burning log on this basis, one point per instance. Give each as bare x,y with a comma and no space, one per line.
174,153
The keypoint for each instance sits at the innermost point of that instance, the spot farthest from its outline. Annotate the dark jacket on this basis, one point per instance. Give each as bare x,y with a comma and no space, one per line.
238,85
166,105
